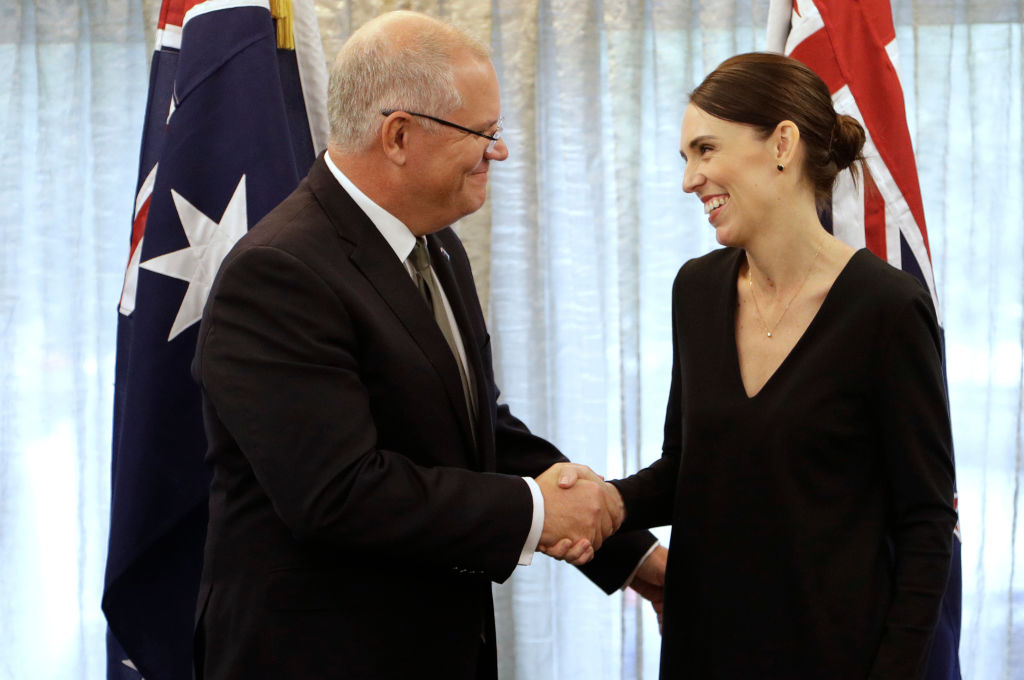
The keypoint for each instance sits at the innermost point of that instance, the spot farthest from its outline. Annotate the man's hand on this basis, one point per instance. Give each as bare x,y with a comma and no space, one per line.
649,580
579,512
570,473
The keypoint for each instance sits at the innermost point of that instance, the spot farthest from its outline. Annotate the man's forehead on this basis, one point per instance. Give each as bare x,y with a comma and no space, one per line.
478,87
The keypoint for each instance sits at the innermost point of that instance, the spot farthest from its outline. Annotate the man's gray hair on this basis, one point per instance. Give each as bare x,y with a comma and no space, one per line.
411,70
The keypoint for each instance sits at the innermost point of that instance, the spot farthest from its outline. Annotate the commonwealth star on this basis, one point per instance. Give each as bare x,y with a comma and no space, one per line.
209,242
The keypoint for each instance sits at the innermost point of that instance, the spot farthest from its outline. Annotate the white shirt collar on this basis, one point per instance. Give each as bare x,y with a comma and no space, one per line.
390,227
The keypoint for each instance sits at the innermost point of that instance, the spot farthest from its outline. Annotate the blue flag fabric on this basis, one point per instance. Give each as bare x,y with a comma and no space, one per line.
229,133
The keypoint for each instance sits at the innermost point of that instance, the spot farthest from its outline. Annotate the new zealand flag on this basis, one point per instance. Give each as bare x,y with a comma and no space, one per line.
236,113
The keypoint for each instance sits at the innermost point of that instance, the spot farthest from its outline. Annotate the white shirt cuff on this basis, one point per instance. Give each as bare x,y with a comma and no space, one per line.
637,567
533,538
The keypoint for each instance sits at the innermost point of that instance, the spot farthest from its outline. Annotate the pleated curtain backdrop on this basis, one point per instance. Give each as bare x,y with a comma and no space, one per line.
574,254
73,93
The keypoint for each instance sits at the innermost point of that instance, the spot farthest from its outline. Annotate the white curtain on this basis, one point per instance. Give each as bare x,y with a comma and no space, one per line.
584,231
962,64
73,92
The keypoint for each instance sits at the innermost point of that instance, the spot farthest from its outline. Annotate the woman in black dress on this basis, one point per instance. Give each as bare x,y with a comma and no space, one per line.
807,465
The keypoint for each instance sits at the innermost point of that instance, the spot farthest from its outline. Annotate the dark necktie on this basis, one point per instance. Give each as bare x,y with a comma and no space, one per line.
431,292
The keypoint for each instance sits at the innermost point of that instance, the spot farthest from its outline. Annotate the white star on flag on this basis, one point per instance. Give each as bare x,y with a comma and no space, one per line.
209,242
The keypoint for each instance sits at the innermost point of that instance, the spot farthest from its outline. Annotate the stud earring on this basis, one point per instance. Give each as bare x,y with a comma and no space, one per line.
780,167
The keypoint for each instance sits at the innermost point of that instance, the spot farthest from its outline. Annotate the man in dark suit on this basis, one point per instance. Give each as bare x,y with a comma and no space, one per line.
367,486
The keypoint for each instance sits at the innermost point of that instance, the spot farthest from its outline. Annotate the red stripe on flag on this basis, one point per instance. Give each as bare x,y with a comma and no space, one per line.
881,20
816,51
874,217
857,31
139,227
172,12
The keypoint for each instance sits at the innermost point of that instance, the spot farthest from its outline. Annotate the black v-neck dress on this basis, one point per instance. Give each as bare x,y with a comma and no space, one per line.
812,523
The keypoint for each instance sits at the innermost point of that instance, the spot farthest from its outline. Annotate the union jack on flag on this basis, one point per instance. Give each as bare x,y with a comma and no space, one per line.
235,116
852,47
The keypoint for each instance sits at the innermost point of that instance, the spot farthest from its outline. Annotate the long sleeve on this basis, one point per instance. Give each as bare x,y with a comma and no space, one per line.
915,433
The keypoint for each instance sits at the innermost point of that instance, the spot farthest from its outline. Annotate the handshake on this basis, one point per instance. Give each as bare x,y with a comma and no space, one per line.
581,510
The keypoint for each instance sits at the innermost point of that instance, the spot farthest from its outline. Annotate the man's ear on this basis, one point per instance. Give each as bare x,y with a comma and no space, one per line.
394,136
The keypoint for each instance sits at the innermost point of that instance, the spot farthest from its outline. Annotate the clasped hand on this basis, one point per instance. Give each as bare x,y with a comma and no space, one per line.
580,511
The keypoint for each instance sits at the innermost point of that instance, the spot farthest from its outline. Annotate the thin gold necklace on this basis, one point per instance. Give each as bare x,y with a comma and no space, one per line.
757,307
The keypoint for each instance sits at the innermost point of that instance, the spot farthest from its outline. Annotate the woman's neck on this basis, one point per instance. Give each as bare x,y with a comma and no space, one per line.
784,248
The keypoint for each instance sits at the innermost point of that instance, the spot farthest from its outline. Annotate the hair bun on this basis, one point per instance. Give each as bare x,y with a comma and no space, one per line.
848,141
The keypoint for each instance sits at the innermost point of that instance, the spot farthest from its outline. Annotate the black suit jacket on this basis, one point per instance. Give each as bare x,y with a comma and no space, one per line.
355,529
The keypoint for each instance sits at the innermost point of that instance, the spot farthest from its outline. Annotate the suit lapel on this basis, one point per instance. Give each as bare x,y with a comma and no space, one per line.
375,259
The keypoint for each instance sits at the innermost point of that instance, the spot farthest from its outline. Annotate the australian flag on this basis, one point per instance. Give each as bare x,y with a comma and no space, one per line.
852,47
236,114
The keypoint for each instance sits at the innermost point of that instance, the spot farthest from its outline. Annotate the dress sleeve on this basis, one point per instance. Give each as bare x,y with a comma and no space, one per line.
918,456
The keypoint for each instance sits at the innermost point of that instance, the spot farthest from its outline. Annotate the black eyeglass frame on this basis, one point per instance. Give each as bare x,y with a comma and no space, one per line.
493,139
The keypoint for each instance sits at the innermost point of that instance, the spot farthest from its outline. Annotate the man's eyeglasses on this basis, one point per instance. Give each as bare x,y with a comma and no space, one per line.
492,139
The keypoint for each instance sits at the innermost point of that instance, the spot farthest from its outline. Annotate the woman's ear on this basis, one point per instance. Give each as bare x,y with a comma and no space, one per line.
784,141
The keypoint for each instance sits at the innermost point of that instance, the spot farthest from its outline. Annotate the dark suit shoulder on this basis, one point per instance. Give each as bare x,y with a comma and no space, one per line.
297,224
312,222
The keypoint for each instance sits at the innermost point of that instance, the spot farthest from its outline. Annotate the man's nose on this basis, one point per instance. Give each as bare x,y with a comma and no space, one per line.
499,152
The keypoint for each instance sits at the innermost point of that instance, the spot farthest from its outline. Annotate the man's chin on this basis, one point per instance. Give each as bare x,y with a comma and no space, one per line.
476,200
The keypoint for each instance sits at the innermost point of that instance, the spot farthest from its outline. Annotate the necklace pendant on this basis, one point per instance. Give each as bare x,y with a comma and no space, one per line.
757,307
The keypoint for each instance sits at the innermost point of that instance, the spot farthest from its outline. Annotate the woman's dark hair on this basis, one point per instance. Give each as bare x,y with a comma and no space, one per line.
762,89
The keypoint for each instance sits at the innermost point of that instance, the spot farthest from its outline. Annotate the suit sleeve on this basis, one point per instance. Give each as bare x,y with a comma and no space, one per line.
918,452
279,363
